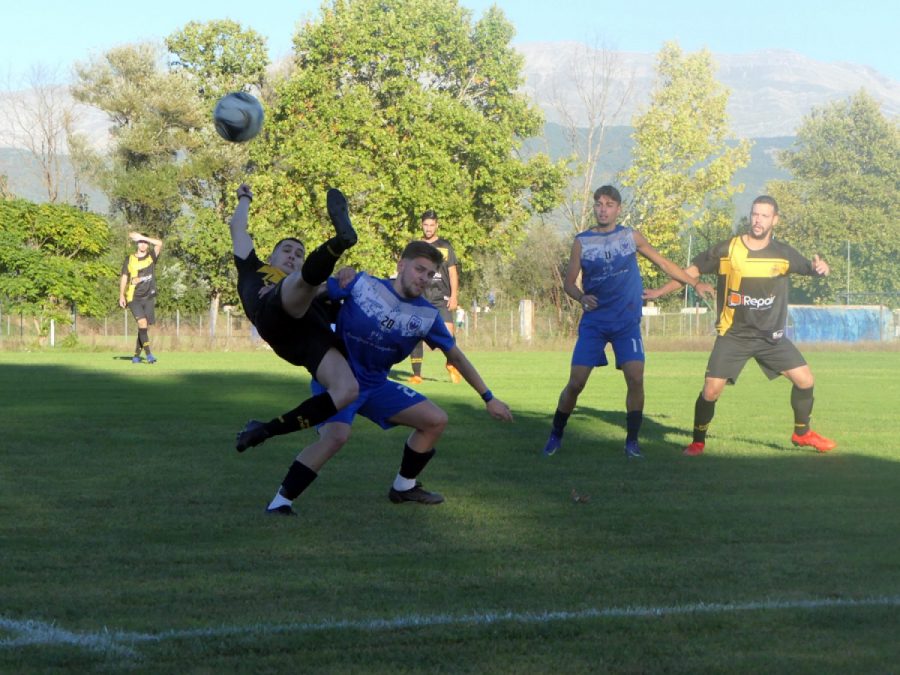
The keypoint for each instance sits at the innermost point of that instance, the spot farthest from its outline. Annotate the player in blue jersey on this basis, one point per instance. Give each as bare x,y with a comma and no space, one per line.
611,295
380,321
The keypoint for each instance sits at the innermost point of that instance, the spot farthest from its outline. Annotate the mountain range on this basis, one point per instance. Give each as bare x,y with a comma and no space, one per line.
770,94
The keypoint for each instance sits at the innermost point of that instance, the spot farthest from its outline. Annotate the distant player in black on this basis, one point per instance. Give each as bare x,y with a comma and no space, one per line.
280,299
443,293
137,290
752,296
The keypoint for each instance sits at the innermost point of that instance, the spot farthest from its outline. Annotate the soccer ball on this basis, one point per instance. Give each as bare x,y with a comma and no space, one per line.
238,117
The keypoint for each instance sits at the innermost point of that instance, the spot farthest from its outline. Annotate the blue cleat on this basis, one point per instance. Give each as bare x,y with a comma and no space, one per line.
136,359
632,449
151,358
554,443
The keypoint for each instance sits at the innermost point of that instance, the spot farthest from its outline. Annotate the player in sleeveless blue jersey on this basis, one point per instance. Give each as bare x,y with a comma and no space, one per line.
753,283
611,295
380,322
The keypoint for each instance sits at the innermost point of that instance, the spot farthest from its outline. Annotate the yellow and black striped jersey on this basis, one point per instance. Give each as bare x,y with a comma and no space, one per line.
753,286
141,273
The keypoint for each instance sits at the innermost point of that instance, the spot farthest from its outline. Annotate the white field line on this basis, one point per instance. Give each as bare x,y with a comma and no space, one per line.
34,633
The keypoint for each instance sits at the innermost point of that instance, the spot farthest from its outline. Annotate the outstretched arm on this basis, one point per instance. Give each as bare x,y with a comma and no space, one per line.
689,276
495,407
241,243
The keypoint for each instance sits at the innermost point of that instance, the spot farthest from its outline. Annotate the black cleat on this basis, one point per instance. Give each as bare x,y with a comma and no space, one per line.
340,217
283,510
253,433
416,494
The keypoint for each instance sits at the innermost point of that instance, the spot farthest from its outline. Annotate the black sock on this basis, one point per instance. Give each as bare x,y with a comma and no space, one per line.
311,412
298,478
319,265
138,345
416,357
413,462
703,413
633,419
144,341
802,403
560,419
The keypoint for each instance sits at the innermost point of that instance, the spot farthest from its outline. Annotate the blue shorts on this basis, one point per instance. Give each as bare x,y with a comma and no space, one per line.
378,404
592,339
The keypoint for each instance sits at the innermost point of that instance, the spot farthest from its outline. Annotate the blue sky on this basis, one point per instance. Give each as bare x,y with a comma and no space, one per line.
56,33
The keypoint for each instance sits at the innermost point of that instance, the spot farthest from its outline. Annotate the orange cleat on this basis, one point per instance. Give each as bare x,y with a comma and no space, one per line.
455,377
813,440
414,379
694,449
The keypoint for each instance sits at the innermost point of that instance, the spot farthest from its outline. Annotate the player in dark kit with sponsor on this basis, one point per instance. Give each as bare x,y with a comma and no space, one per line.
380,321
442,292
752,297
137,290
280,299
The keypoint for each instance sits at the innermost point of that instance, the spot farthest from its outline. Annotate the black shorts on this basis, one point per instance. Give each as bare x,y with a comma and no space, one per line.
300,342
730,353
144,308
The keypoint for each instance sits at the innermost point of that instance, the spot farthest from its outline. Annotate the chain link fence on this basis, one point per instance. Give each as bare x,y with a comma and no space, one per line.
526,326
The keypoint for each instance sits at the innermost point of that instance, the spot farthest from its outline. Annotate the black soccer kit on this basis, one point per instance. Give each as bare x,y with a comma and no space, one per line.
140,293
752,297
301,342
438,291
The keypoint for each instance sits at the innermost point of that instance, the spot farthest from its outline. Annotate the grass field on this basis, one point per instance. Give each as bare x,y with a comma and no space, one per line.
132,535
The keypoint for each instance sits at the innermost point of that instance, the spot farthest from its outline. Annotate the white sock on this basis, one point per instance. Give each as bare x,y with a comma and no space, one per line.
402,484
279,500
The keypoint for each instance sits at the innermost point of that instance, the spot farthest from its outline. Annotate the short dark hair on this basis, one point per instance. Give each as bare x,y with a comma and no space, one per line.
422,249
766,199
281,241
430,214
608,191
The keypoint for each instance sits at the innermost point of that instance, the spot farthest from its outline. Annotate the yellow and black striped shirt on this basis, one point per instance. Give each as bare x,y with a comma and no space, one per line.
141,273
752,289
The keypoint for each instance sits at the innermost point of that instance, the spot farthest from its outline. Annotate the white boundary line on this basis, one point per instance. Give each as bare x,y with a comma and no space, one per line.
37,633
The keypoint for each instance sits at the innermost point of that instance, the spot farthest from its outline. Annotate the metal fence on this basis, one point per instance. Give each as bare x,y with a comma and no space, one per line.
500,328
525,326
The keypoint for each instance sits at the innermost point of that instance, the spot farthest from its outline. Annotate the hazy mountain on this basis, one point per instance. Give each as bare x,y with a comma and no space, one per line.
771,91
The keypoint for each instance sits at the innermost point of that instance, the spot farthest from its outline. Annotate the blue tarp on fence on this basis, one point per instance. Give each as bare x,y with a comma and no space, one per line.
839,323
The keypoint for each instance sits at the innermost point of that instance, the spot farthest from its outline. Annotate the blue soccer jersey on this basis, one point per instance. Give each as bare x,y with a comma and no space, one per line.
380,328
609,272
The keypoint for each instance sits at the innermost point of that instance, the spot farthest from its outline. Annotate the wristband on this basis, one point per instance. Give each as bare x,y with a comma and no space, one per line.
487,396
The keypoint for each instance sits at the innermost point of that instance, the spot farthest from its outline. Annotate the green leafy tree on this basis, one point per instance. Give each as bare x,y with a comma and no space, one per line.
155,115
217,57
844,194
684,158
54,257
404,105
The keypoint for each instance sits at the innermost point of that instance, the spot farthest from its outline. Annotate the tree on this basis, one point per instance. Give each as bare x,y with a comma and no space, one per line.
683,159
216,57
594,74
404,105
39,120
53,257
845,165
155,117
